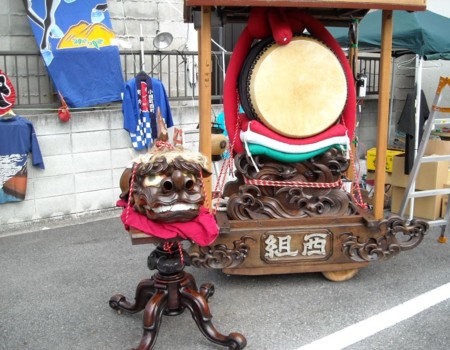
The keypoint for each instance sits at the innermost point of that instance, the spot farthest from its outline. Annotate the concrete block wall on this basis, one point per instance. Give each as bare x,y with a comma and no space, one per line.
127,17
84,159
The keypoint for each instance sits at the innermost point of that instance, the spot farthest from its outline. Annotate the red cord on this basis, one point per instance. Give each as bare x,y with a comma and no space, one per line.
130,194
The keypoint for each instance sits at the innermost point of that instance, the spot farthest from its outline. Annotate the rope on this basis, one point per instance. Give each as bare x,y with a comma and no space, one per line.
275,183
356,188
204,191
180,251
167,247
130,194
226,165
161,145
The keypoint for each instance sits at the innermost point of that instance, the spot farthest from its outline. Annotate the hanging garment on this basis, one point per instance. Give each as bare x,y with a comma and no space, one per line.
143,96
17,139
407,124
77,45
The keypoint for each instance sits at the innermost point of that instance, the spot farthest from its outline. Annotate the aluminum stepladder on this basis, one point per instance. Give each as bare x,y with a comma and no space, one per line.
410,192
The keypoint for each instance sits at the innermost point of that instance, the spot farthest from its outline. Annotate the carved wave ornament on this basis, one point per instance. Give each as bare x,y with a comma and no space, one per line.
398,237
259,191
220,256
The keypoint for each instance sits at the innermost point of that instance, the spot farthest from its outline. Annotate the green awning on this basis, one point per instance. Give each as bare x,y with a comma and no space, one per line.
424,33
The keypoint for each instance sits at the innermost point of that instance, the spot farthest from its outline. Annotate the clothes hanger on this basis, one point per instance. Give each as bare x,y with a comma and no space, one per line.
142,76
8,115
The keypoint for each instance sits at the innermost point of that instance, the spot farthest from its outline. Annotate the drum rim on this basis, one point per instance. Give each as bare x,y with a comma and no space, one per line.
256,51
243,88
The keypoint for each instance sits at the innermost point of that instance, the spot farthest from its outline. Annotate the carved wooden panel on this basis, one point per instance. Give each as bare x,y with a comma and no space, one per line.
260,193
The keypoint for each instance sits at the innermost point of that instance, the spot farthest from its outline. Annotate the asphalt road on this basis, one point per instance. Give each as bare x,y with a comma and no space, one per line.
55,285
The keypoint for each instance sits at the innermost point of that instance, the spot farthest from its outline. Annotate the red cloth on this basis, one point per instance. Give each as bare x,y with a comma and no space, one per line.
230,95
281,29
258,25
260,128
203,230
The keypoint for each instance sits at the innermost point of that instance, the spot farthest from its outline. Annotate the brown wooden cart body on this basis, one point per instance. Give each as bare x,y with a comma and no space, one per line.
348,239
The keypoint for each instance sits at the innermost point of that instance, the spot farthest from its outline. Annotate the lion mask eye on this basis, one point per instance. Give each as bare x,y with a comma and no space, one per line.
153,180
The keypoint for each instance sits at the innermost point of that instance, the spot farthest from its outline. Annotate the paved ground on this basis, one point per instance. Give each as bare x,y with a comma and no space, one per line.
55,285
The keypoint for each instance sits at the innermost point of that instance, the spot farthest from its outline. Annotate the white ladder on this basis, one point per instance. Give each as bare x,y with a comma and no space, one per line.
410,192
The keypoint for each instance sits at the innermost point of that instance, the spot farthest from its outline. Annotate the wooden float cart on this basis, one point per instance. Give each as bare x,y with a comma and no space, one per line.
334,241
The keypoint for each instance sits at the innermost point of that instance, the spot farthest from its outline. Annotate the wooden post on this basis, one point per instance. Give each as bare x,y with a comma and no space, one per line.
353,61
204,39
383,112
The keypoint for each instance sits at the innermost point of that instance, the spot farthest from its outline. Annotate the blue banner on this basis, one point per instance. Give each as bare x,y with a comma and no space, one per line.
76,42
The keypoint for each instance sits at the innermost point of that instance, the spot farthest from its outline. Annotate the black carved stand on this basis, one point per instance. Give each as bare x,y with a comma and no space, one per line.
170,291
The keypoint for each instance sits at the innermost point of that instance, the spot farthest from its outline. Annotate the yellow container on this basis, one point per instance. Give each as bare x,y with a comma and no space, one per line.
372,156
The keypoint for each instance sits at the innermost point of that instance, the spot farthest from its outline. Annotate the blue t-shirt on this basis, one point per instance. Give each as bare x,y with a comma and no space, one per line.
17,139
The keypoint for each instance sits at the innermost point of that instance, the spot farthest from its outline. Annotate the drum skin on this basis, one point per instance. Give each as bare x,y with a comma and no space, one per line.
297,90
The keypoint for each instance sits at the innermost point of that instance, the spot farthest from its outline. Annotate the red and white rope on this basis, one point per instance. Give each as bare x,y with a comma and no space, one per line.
226,166
130,193
335,184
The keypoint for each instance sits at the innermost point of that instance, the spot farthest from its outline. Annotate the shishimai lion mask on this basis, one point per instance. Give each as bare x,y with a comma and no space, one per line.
166,184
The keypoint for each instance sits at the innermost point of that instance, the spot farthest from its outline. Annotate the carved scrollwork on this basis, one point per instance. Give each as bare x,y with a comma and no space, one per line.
327,167
288,202
220,256
254,201
398,236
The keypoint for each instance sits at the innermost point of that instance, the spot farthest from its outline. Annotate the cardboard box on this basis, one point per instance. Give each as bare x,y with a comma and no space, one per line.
370,178
424,207
444,201
436,146
444,206
372,156
431,175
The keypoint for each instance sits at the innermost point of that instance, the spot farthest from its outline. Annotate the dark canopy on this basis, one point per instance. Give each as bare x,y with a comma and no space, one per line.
424,33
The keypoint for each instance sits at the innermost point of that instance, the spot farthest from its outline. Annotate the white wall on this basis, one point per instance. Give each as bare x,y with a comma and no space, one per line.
84,159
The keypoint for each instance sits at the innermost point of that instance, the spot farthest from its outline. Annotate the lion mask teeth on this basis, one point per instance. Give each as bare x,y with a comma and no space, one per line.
175,207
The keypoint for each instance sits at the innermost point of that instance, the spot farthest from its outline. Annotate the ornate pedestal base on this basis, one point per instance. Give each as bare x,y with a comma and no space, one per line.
170,291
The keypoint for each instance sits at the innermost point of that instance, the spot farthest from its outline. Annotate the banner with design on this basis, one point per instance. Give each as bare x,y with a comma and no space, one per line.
77,44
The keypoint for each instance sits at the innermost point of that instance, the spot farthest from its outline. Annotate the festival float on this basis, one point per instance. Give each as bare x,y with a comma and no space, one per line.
290,110
287,211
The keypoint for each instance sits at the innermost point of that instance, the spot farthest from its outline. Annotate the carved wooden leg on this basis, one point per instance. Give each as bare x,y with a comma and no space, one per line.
188,281
152,320
198,305
144,292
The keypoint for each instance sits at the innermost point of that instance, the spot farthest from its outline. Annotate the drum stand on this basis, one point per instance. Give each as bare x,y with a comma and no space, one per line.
170,291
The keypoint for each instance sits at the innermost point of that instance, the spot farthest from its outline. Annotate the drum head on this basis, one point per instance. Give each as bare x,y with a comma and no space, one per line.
297,90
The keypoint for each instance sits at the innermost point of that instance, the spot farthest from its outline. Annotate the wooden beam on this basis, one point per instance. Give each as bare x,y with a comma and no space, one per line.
409,5
204,40
383,112
353,61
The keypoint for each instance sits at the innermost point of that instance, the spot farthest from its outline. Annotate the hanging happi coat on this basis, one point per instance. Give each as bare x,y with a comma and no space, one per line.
143,97
17,140
77,44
